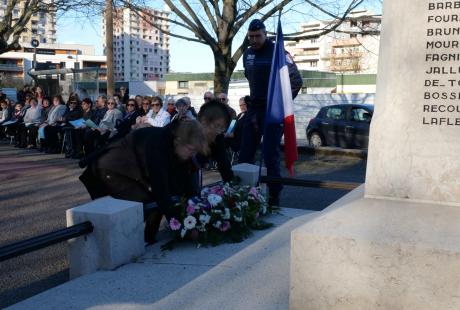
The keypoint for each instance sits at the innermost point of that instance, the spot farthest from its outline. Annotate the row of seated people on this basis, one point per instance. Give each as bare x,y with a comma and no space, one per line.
78,127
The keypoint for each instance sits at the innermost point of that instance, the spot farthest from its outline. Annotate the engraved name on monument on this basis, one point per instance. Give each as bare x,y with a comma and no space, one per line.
442,78
415,133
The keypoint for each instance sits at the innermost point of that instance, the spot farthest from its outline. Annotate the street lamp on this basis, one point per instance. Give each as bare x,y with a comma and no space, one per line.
35,43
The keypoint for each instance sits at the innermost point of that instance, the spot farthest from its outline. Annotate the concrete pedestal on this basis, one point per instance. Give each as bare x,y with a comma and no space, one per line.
117,239
248,173
377,254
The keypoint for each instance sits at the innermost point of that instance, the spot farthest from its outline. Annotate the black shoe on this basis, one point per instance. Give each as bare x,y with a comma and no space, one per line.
152,224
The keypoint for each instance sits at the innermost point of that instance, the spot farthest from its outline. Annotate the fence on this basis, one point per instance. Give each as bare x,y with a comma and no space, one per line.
43,241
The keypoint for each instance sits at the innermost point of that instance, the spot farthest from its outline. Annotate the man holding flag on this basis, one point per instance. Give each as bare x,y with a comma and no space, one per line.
274,81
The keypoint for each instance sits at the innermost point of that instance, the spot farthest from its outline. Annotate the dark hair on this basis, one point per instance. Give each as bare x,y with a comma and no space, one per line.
59,97
180,102
157,99
88,101
47,99
213,110
256,24
133,101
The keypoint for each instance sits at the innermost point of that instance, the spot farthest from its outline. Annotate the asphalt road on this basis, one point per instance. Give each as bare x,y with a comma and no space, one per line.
36,189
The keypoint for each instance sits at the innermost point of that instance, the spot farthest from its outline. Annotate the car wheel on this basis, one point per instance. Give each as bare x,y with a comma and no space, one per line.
316,140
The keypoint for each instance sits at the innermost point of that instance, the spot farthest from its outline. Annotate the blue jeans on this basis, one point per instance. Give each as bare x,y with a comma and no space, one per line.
253,130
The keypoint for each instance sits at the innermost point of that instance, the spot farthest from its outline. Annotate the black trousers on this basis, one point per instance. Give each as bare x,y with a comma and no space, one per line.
13,130
93,139
102,182
52,136
27,134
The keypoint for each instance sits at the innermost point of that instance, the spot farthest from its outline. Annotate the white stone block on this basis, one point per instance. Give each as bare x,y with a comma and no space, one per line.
117,239
377,254
248,173
413,142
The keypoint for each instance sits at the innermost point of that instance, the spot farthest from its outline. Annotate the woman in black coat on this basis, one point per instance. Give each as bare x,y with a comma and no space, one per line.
148,165
215,119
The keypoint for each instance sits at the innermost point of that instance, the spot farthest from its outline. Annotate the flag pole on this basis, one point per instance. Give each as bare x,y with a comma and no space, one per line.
262,153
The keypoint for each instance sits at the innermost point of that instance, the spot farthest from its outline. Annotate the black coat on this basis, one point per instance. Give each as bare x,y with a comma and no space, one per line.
145,156
124,125
73,115
257,67
235,142
220,155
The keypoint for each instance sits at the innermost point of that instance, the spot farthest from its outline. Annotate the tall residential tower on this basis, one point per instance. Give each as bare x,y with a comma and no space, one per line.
351,48
141,50
42,25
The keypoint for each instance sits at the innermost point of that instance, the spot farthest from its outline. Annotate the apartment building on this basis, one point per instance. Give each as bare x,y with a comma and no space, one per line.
14,66
42,25
141,50
351,48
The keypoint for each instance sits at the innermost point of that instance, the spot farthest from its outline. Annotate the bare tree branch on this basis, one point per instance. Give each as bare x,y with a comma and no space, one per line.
143,14
201,33
209,14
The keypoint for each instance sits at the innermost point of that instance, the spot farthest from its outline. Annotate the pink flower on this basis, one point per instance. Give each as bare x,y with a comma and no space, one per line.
214,190
190,209
253,192
174,224
226,226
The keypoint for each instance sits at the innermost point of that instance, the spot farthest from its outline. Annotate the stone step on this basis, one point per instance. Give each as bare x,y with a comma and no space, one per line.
253,274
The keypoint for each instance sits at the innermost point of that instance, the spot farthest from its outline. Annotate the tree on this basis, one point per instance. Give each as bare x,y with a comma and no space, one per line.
109,46
17,15
216,24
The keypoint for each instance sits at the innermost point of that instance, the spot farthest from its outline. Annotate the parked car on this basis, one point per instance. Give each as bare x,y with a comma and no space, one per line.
342,125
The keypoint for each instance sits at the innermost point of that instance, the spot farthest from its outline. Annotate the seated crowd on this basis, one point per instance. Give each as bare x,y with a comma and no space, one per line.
122,156
78,127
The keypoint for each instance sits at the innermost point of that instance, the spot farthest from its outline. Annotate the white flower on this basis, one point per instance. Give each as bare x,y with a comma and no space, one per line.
238,218
217,224
216,211
201,228
238,206
227,215
264,209
183,232
245,204
214,199
204,192
189,222
204,219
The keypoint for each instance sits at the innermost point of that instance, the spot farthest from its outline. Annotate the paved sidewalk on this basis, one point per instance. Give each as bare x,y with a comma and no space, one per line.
253,274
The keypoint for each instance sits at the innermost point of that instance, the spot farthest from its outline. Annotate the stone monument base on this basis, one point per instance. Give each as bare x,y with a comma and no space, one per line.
364,253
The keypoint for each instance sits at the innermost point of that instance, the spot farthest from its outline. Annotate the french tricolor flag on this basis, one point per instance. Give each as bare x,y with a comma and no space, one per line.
280,106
